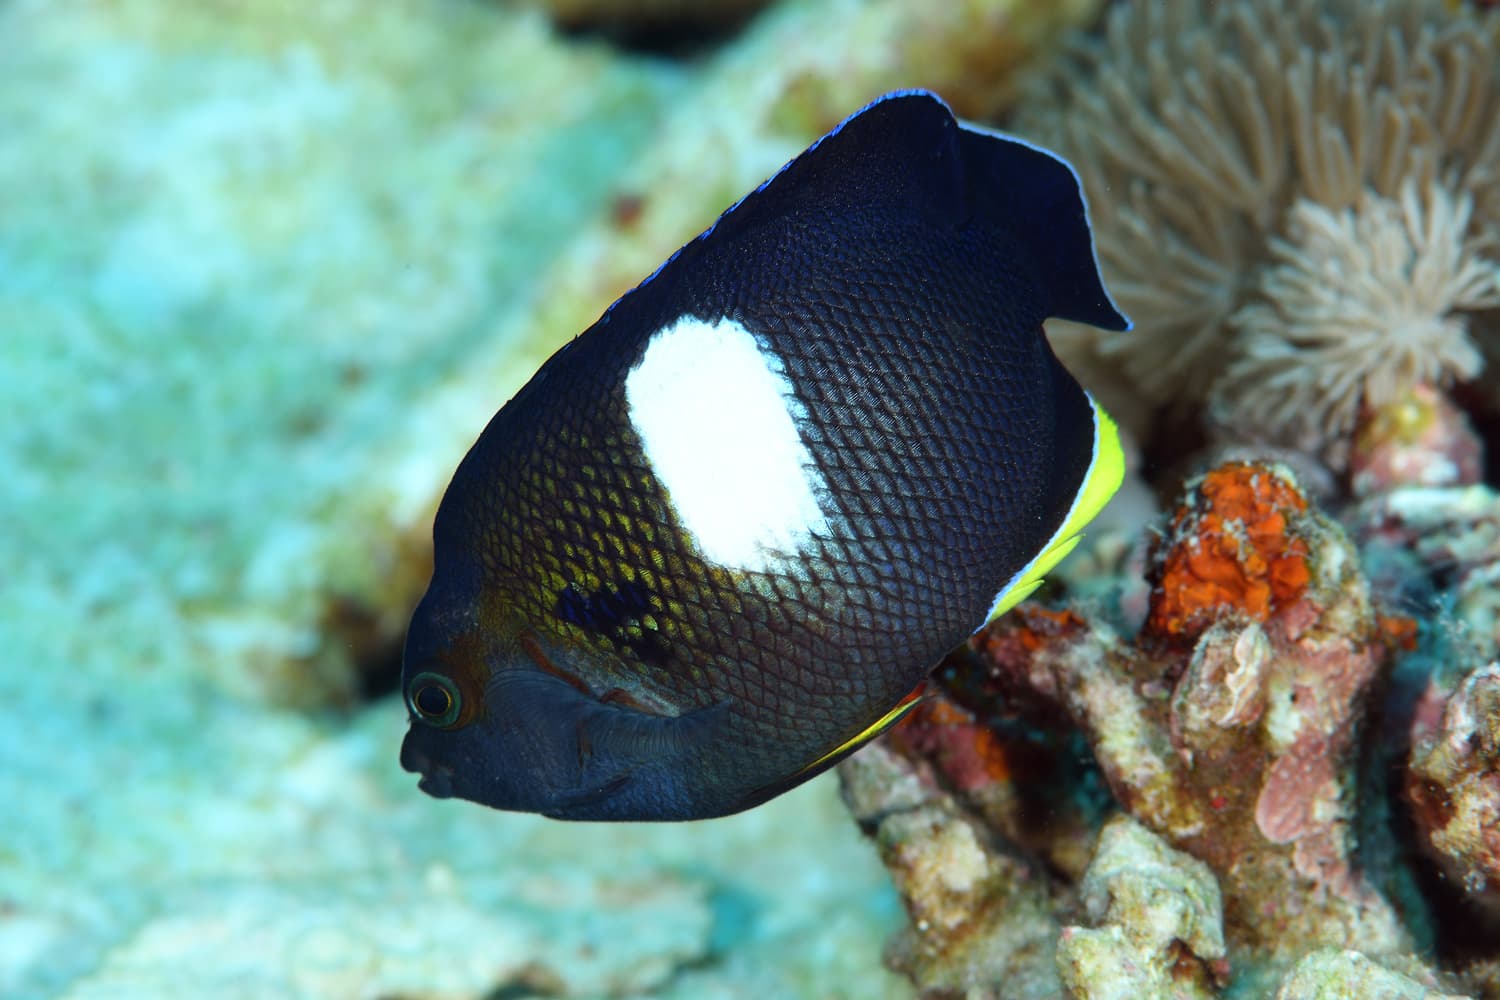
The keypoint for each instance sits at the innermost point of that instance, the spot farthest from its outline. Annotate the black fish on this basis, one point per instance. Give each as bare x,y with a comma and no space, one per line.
720,538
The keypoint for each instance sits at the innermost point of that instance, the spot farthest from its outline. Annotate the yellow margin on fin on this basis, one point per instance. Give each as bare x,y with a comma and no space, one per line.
871,731
1106,473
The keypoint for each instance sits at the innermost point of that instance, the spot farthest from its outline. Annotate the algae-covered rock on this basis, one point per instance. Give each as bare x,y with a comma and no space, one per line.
1331,974
1153,922
979,915
1229,725
1453,784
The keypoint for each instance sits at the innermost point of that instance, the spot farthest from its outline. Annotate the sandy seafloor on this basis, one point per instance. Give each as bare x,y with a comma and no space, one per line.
265,270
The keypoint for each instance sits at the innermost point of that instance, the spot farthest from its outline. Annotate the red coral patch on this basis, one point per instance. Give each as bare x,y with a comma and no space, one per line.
966,753
1231,548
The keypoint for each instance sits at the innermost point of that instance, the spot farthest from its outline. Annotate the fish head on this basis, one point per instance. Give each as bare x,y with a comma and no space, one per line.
499,716
483,713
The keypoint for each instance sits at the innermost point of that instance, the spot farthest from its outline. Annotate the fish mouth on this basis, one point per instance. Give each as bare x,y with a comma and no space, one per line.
438,784
437,780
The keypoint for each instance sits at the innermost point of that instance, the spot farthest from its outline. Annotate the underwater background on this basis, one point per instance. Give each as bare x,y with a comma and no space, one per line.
267,269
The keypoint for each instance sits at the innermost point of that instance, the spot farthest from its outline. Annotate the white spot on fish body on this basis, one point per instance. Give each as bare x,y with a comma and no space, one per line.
718,418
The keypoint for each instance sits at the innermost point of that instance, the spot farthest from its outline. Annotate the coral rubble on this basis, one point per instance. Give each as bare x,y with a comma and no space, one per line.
1153,921
1332,974
978,915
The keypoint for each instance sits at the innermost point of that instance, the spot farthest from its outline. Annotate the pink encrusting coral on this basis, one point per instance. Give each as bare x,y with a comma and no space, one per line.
1420,439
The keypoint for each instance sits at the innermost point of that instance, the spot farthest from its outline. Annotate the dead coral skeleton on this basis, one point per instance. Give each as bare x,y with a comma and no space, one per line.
1151,922
979,913
1440,523
1228,730
1227,146
1229,727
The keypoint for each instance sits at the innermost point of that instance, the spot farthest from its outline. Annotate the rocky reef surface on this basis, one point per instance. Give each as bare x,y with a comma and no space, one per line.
265,271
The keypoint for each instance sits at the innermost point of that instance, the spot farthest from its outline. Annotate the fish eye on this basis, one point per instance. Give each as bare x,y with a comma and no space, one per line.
434,698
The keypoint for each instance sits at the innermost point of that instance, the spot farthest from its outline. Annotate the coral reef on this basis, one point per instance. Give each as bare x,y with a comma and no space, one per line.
1422,514
1288,682
1019,783
1255,658
1303,208
1331,974
1421,439
978,914
1229,727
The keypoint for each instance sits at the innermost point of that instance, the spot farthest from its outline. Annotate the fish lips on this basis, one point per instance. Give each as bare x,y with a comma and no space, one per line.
437,779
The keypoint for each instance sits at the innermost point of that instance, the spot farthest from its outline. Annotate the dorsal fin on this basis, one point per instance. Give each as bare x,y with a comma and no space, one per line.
900,149
1036,195
906,150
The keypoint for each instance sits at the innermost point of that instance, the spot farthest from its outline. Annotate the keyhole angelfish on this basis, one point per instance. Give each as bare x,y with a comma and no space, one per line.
719,539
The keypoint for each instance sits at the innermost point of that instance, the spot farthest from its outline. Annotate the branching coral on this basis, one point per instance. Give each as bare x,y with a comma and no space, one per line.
1228,147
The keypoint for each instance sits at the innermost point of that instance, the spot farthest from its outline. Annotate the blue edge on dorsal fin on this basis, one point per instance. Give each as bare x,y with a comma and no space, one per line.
1035,212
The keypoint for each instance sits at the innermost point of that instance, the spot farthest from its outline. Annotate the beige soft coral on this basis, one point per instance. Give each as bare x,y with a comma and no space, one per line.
1220,142
1356,307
